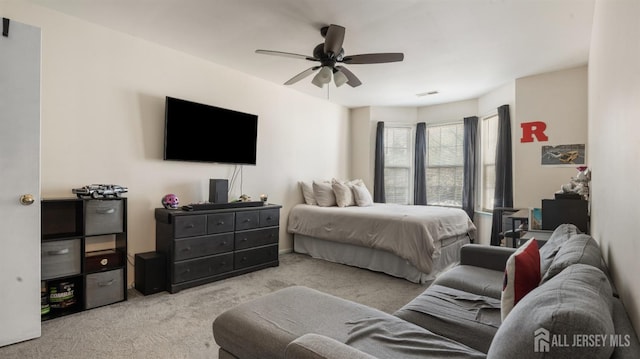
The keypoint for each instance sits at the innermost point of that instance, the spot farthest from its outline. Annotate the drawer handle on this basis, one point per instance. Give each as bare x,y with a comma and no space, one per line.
224,243
59,252
247,220
105,210
244,239
106,284
244,259
191,225
269,218
186,249
221,223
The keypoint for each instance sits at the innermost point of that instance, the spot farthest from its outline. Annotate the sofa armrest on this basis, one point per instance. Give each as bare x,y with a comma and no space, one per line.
489,257
316,346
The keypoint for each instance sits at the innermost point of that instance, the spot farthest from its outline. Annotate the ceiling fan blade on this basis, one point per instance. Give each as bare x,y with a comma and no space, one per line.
373,58
333,40
302,75
353,80
286,54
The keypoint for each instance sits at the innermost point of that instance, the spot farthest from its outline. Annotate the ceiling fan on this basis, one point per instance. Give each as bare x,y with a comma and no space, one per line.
329,54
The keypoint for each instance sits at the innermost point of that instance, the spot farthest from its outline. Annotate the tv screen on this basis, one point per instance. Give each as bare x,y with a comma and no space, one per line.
203,133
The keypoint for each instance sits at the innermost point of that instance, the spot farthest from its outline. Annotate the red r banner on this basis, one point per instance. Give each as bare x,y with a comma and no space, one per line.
533,129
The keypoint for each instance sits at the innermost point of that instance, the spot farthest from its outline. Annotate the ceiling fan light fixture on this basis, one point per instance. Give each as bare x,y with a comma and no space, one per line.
322,77
339,78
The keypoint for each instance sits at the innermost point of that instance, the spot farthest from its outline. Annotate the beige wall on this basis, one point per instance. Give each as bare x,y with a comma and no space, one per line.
614,148
103,115
558,99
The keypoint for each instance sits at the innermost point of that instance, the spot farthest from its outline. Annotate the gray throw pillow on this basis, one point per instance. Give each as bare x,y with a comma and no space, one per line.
559,236
581,248
570,316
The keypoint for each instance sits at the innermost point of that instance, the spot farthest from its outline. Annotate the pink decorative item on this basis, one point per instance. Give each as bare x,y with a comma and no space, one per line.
170,201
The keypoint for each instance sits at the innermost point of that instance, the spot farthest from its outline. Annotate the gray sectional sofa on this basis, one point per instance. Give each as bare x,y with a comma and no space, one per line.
573,313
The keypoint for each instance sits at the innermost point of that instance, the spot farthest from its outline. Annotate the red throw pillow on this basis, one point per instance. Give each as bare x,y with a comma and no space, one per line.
521,275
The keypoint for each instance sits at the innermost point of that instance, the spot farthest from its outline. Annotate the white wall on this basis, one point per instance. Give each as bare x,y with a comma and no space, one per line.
103,115
448,112
614,148
560,100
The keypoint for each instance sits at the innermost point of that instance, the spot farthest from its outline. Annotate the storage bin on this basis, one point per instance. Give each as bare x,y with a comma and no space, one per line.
60,258
103,217
104,288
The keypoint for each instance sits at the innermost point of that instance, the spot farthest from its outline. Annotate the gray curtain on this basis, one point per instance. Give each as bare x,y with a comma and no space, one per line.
470,165
420,177
378,175
503,196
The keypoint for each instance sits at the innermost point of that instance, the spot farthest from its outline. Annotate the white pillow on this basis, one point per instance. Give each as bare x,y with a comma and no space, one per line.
323,192
362,195
343,193
307,192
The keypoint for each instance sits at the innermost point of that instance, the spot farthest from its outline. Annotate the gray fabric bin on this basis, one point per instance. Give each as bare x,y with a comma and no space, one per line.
104,288
104,217
60,258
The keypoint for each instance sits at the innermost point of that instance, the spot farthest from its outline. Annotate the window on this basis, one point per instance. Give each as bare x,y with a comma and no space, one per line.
445,164
489,139
398,162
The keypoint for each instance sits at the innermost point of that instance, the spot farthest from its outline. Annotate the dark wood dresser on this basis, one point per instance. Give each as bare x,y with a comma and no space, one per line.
208,245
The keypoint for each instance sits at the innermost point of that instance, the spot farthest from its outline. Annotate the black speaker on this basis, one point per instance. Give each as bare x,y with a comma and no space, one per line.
218,189
150,268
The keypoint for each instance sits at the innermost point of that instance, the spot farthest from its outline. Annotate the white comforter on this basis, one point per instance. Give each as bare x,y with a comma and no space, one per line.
410,232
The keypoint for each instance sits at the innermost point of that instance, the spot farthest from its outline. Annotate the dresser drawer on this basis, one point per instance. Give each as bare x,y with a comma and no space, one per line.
270,217
187,248
247,220
220,222
103,217
103,260
60,258
189,226
104,288
202,267
255,256
256,237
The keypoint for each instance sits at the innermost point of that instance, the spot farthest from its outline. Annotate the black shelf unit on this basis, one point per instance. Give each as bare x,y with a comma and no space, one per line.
87,278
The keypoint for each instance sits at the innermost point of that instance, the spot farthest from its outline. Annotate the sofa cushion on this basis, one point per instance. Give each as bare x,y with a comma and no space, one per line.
263,327
315,346
574,305
393,338
472,279
454,314
521,275
581,248
559,236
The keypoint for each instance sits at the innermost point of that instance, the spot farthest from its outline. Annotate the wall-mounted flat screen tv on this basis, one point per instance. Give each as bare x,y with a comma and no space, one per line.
203,133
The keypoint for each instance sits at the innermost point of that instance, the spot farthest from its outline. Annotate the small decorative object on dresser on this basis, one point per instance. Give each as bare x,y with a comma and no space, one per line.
170,201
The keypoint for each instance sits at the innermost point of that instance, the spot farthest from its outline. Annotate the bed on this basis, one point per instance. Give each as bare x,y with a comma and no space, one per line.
411,242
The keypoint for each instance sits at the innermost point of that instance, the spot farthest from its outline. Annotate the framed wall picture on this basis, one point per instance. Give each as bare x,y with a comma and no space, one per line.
563,155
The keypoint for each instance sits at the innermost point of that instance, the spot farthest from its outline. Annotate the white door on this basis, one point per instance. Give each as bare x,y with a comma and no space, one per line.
19,175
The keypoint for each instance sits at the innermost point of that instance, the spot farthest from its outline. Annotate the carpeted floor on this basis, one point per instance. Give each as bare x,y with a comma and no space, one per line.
178,325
